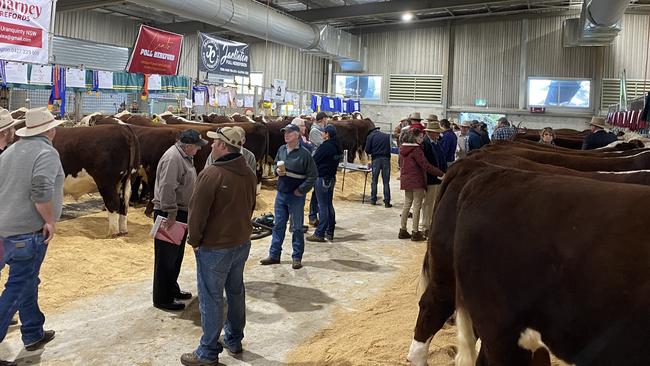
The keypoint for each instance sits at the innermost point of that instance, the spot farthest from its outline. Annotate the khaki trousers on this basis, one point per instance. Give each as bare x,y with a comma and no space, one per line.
412,198
427,206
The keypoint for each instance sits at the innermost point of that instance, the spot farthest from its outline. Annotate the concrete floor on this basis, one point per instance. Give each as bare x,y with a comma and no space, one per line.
284,306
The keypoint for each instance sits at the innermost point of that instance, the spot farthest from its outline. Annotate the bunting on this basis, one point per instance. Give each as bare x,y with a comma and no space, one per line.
57,96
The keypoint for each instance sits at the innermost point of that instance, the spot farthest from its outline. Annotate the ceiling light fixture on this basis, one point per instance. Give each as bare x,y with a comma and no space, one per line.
407,17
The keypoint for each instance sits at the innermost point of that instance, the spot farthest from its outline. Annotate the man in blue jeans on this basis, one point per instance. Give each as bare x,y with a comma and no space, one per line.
32,197
327,159
316,139
219,231
378,147
296,177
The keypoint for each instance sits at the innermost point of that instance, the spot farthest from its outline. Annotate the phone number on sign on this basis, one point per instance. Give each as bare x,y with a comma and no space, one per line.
20,51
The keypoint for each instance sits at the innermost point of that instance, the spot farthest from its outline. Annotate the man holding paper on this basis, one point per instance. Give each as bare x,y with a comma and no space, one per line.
175,177
219,231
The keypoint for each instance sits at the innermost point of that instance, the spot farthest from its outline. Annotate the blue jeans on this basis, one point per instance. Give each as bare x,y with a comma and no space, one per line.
216,270
313,206
24,254
325,192
288,204
380,165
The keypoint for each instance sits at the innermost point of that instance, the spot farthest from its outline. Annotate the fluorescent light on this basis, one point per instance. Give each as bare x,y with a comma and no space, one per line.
407,17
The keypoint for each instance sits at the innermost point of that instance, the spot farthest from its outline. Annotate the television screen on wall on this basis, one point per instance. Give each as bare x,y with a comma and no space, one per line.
565,93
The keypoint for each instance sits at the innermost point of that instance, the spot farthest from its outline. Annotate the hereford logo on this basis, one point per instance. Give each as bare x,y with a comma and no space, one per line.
210,54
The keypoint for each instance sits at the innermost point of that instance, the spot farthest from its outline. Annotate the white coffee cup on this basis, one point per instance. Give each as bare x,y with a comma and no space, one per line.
281,168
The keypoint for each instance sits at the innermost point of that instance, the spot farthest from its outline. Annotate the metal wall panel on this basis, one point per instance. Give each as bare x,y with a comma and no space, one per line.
630,49
189,56
547,56
97,27
76,52
419,51
301,71
486,63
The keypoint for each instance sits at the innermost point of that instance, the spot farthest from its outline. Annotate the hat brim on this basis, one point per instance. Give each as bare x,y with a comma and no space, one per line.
217,136
434,130
285,129
12,124
25,132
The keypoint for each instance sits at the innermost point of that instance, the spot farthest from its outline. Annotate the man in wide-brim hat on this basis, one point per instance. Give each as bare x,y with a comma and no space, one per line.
32,200
416,121
463,139
7,130
432,118
598,137
436,157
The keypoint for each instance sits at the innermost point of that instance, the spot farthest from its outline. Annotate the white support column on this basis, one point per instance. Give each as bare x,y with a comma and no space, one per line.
448,69
523,65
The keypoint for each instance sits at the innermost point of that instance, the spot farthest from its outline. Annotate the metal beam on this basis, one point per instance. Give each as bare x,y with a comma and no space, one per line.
74,5
391,7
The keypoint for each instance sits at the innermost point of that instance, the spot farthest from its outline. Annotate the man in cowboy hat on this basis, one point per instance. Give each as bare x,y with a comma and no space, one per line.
32,199
7,130
175,177
219,231
436,157
463,140
599,136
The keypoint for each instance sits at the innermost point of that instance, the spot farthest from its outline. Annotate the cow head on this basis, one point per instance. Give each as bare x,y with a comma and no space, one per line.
90,119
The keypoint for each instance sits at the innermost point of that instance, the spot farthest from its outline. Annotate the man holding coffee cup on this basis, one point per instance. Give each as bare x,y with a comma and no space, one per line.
297,174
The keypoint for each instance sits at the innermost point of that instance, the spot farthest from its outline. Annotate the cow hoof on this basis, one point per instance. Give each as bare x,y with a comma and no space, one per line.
418,353
125,233
113,236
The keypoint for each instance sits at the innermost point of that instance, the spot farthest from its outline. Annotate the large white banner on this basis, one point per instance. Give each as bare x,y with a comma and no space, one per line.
24,29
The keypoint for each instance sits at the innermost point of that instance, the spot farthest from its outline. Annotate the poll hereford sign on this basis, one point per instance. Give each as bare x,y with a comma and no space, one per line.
24,29
218,56
155,52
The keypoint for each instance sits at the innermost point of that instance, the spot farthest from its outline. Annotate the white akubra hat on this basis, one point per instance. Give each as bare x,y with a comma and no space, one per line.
37,121
6,121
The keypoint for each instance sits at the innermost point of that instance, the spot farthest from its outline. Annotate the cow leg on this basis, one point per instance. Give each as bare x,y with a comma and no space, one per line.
434,312
124,205
363,158
503,349
112,202
418,352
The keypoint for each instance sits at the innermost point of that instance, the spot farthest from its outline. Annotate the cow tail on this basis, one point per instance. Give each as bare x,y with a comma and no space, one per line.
423,282
466,338
134,165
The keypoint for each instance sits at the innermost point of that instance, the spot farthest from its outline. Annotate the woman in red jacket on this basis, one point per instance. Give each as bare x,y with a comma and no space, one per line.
413,180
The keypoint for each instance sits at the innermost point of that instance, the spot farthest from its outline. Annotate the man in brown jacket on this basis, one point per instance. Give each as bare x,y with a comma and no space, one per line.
175,177
219,231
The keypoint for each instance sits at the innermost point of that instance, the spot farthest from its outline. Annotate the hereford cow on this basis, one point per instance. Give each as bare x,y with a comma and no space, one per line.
135,119
437,302
171,119
107,154
348,136
216,118
556,269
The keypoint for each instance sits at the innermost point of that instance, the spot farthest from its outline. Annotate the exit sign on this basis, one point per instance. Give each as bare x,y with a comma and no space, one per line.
480,102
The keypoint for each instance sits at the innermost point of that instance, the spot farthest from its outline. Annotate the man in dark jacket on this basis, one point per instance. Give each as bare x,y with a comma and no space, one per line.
448,141
598,136
7,130
436,157
378,147
296,177
327,159
483,131
224,192
474,141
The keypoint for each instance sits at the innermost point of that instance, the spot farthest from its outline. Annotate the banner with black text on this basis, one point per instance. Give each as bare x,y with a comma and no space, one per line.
24,30
218,56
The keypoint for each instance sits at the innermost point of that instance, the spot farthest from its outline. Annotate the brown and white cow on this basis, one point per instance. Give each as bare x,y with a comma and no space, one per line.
572,263
107,154
437,302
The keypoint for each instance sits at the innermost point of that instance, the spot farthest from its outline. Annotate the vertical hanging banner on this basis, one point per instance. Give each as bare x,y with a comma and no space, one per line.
155,52
279,90
223,57
24,29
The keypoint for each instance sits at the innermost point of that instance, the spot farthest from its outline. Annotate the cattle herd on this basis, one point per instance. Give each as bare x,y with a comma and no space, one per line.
120,153
540,248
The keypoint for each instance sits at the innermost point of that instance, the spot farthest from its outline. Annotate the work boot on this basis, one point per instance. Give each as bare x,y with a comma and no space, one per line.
313,222
417,236
403,234
191,359
329,237
297,264
7,363
374,203
388,205
315,238
48,335
268,260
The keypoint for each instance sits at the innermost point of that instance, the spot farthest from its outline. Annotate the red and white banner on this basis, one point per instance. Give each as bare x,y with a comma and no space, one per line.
24,29
155,52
